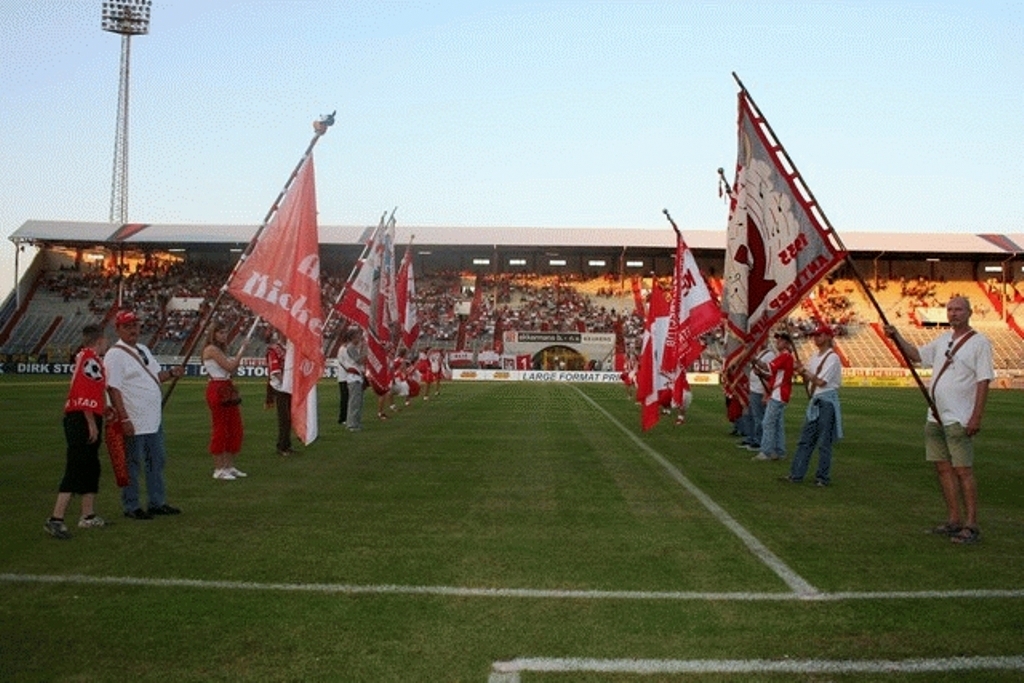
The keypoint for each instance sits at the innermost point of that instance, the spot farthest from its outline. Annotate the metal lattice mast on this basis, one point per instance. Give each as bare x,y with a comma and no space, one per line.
127,18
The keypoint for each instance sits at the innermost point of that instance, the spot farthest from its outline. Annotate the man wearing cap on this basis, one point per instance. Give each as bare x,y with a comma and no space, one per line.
823,423
133,384
778,375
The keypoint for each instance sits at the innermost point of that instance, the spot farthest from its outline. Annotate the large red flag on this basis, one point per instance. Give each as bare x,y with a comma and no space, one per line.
650,380
406,295
280,282
778,245
693,312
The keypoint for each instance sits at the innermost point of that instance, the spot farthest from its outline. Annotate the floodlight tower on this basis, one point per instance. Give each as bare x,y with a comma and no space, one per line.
127,18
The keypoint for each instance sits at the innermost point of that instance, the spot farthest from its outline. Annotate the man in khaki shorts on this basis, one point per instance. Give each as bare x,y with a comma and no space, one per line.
961,362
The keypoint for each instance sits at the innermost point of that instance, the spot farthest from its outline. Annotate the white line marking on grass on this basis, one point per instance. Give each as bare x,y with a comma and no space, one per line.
534,593
508,672
798,584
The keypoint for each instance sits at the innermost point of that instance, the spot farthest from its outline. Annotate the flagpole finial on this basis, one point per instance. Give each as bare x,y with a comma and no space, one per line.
324,122
669,217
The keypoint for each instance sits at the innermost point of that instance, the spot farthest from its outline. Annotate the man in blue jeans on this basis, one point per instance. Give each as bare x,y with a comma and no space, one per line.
779,376
823,424
134,379
756,403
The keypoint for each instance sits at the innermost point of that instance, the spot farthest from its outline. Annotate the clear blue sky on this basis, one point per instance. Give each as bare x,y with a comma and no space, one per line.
902,116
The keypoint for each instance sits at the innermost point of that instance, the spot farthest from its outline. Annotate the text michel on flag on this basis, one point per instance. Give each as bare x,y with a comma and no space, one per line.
280,282
778,245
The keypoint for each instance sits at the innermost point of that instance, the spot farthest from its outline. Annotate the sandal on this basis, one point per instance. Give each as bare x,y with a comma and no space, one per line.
967,536
947,529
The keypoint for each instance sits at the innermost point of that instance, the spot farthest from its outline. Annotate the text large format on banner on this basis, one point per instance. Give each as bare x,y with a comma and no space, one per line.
778,246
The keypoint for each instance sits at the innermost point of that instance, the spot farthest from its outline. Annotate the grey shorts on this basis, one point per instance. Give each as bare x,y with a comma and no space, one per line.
948,443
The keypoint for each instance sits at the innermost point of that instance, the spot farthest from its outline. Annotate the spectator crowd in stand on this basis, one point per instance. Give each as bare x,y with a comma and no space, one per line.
457,310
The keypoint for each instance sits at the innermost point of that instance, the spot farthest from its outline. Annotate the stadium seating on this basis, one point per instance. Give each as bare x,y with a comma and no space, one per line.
65,300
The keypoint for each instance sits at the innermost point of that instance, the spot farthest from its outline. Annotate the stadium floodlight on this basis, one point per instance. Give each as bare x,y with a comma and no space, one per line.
127,18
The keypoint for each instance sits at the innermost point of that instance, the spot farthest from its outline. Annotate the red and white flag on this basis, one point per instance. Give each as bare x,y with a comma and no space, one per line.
778,244
694,312
280,282
408,321
383,311
362,288
650,380
369,301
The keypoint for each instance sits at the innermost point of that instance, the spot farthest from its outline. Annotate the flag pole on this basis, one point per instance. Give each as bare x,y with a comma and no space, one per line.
839,242
319,129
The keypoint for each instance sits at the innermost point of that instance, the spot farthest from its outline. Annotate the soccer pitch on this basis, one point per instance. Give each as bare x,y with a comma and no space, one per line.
511,532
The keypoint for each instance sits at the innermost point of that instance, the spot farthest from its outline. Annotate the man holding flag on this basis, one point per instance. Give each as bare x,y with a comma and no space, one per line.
280,282
369,301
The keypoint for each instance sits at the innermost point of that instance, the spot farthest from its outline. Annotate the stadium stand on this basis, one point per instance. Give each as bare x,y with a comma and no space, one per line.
466,307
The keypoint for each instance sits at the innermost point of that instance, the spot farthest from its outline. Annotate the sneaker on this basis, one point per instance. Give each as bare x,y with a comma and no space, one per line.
751,447
969,535
138,513
164,509
761,457
382,416
778,457
821,483
91,522
223,475
285,452
237,472
355,429
57,529
947,529
791,479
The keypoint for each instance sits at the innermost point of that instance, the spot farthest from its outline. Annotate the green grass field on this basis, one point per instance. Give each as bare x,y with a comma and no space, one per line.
524,523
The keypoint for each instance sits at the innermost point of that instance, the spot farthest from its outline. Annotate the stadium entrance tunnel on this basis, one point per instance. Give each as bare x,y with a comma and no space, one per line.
559,358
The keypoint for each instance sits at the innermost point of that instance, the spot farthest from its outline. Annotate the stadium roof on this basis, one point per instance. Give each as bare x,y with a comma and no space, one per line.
142,235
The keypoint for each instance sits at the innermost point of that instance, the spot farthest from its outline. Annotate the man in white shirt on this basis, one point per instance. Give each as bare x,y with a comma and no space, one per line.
823,423
352,365
962,369
756,403
133,384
